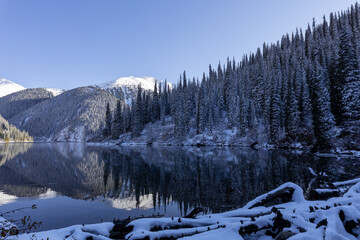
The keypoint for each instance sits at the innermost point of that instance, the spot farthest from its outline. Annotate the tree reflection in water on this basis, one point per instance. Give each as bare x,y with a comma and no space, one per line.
217,178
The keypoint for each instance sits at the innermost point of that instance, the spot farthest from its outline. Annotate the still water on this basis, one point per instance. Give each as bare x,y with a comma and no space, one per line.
78,184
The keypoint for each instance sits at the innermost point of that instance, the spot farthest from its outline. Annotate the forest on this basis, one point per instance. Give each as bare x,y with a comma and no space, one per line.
9,133
303,89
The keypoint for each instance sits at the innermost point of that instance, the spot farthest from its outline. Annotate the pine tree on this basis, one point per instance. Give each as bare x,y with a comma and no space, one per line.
155,113
322,117
305,116
275,102
108,117
186,105
137,125
127,119
291,112
202,104
349,82
118,121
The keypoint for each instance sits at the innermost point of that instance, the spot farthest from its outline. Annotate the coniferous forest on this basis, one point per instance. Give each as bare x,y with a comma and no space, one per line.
9,133
303,89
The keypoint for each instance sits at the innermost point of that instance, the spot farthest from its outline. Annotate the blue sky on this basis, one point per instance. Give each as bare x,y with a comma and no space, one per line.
72,43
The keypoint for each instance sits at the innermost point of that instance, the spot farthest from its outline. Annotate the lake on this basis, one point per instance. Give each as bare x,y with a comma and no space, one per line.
73,183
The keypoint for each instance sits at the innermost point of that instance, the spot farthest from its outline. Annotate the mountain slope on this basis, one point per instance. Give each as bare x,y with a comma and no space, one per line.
7,87
75,115
18,102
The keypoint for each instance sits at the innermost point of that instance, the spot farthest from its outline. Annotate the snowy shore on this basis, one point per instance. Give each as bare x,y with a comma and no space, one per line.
283,213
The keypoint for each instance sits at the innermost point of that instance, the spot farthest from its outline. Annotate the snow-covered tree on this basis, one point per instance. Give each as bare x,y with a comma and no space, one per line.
138,114
108,119
118,121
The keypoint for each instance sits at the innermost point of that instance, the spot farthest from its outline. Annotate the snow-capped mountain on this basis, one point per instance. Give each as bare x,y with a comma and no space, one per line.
125,88
55,91
7,87
147,83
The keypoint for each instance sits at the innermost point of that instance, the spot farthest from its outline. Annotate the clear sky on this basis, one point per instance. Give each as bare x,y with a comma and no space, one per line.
72,43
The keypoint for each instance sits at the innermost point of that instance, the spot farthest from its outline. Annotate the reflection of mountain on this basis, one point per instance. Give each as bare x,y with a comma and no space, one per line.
146,177
6,198
128,203
9,151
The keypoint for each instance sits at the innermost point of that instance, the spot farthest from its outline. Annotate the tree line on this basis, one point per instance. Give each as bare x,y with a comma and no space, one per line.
304,88
9,133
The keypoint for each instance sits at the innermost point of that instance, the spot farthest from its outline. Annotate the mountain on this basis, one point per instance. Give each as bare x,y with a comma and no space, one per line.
55,91
17,102
7,87
125,88
75,115
10,133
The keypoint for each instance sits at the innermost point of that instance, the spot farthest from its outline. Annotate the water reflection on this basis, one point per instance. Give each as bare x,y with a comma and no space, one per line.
146,177
9,151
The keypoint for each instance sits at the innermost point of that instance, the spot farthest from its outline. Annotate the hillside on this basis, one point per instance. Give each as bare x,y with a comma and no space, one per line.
75,115
7,87
18,102
9,133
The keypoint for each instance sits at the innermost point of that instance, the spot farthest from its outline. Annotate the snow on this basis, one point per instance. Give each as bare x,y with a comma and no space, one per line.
147,83
348,182
298,195
312,172
229,233
127,86
55,91
164,135
7,87
69,134
97,231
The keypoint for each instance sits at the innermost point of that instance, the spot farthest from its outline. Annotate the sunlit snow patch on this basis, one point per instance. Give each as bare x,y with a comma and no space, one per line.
7,87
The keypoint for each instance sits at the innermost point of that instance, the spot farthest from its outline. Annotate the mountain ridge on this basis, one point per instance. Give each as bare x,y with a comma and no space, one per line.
75,115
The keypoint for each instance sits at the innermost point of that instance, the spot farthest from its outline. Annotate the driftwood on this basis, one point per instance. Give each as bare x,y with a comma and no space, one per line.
122,228
282,196
195,212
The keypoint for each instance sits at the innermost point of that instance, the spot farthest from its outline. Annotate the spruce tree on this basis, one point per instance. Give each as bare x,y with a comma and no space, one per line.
322,117
137,125
349,78
155,113
108,117
275,102
118,121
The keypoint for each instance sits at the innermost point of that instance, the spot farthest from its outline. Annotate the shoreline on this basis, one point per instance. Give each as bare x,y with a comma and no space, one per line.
115,143
283,211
